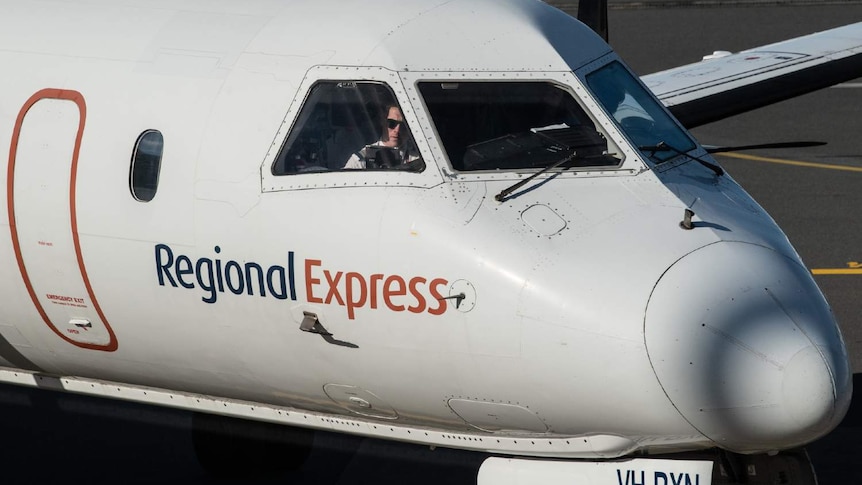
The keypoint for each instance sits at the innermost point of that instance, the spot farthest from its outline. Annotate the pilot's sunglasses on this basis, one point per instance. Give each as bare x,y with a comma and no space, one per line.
393,123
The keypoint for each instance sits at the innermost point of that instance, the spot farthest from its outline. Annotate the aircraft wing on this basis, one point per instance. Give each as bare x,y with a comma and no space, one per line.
727,84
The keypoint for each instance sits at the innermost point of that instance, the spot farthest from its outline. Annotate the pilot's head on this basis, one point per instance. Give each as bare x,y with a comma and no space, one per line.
394,128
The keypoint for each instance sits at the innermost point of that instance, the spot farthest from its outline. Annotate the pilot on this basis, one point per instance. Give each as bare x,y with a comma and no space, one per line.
395,135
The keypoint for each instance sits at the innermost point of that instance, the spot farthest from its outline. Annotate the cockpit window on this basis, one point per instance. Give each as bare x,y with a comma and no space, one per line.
638,113
348,125
500,125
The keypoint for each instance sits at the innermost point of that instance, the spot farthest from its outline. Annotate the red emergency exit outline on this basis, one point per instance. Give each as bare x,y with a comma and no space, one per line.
78,99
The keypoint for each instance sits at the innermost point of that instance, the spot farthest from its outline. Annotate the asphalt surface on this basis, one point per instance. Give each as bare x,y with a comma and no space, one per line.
51,438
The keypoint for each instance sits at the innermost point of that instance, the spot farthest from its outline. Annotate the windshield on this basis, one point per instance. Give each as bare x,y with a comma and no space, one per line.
499,125
638,113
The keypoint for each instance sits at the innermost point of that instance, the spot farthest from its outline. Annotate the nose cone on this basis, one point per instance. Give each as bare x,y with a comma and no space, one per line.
746,348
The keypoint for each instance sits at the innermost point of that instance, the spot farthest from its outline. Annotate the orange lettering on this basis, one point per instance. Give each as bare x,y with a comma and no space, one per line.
388,292
351,304
435,294
420,300
373,290
309,281
333,287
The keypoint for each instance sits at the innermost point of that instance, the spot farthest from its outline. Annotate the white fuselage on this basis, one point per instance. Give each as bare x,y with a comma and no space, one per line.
578,309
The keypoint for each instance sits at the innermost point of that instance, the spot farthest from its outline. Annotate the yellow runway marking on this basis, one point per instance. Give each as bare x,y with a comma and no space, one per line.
833,271
853,267
791,162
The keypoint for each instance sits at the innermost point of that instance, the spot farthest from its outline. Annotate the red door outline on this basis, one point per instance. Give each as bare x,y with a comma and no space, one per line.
78,99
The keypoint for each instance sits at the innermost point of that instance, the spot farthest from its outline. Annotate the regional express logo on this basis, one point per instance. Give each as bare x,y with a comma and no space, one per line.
350,289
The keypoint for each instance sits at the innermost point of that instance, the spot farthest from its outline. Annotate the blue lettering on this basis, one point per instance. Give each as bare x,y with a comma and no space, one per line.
631,477
282,294
290,273
186,269
236,290
260,283
218,271
207,285
212,275
162,269
662,478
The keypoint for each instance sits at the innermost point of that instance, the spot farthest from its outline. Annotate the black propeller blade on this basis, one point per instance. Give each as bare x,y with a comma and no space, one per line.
790,144
594,13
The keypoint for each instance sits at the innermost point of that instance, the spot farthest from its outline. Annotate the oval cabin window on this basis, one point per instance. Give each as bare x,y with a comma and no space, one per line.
146,161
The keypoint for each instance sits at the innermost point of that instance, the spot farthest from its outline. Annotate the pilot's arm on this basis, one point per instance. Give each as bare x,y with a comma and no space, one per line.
356,161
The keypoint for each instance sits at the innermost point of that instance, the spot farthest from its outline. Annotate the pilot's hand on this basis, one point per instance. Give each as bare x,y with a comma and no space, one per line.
388,159
417,165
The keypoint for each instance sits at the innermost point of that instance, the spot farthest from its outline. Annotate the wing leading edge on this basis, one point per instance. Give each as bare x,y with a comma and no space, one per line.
727,85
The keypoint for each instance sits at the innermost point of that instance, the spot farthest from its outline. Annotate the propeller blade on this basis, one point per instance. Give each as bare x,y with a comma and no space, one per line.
594,14
789,144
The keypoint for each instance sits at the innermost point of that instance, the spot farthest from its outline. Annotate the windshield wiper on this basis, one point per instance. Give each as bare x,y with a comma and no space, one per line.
664,147
574,155
505,192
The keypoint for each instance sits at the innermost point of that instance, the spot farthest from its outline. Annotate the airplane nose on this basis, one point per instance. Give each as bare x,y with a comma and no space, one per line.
746,347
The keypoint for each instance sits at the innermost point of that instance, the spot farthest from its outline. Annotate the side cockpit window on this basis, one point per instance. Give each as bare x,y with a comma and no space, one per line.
347,125
638,112
146,163
509,125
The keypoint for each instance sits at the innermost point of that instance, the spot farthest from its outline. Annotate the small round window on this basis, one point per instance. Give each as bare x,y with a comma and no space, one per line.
146,161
